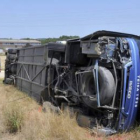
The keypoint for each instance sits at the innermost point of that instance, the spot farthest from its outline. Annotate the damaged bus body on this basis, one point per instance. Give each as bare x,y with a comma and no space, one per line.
97,76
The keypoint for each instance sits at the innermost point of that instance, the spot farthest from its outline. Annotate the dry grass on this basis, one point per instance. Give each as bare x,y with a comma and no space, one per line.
25,117
13,117
2,60
32,124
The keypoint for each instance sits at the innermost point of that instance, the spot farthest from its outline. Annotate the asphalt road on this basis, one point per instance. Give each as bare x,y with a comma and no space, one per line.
1,74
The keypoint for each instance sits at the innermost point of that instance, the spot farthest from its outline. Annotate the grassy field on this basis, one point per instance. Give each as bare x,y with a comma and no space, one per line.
22,118
2,60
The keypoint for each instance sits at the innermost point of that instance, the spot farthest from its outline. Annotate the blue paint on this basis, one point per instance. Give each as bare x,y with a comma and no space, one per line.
130,97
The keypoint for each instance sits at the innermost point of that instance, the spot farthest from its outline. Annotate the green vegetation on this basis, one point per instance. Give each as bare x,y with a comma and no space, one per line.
1,81
13,117
50,39
61,38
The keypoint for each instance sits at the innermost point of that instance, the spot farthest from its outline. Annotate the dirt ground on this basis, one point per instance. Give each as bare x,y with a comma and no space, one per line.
2,65
2,61
1,74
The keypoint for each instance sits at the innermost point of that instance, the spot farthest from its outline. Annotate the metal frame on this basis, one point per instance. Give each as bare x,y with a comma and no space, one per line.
31,73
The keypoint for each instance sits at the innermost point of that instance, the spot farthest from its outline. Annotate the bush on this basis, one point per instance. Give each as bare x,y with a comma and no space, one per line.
13,117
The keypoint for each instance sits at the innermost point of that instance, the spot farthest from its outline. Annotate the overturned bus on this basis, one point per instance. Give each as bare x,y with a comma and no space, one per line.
97,76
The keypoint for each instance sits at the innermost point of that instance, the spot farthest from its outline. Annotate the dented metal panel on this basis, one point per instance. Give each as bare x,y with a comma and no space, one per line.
31,70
